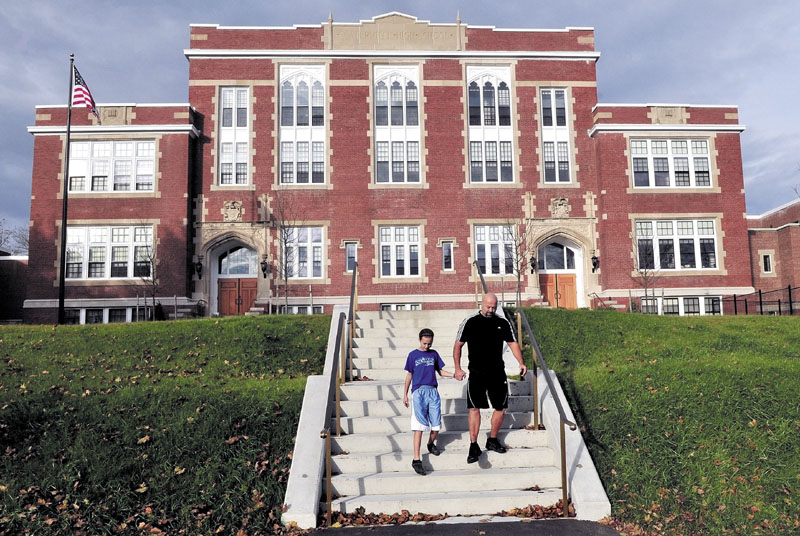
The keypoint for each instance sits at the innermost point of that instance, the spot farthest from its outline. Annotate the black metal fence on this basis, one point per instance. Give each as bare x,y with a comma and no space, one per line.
782,301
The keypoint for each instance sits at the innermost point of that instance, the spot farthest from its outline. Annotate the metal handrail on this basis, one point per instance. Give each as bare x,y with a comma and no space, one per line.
326,435
596,296
561,414
351,318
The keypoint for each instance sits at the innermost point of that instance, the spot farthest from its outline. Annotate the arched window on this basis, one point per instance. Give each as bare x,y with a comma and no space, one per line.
489,113
238,260
412,115
287,104
317,105
555,256
474,104
504,104
381,104
302,104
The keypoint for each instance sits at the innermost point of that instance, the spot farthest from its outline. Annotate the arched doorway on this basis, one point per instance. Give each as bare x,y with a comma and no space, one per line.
236,272
560,276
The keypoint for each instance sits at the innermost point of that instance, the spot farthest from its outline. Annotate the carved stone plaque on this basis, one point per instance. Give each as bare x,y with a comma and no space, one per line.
232,211
559,207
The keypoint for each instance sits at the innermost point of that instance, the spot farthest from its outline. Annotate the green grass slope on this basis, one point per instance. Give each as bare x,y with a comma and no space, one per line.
181,427
693,422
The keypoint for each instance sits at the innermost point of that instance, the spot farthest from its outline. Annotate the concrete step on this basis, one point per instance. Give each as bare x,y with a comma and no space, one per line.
392,408
393,389
471,478
406,342
444,333
390,425
458,503
517,438
395,373
448,460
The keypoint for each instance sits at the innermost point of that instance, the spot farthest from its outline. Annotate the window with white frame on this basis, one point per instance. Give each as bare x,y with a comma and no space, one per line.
234,136
448,264
93,315
490,132
676,244
302,124
396,119
494,249
112,166
399,250
555,136
681,305
401,306
766,263
670,163
115,252
303,252
301,310
350,255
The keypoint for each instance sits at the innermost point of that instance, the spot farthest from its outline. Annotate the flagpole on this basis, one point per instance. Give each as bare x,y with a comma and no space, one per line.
63,256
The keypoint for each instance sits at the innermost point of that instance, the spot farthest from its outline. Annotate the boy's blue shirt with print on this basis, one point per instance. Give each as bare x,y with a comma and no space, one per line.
423,367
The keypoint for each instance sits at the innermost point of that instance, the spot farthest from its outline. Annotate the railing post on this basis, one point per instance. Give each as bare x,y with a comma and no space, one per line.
326,434
779,307
564,493
735,309
760,302
791,307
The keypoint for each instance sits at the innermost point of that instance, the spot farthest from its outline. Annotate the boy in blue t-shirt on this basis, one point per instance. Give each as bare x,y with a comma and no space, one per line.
426,407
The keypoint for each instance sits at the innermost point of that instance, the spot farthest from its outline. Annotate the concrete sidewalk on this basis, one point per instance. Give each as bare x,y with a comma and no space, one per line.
498,527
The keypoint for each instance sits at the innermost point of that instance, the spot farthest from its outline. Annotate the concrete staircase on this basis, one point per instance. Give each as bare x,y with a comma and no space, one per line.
372,459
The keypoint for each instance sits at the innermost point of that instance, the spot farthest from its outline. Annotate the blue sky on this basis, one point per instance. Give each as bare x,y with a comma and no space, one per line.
686,52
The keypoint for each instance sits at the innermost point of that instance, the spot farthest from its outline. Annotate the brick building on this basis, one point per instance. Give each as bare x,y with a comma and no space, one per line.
412,148
775,247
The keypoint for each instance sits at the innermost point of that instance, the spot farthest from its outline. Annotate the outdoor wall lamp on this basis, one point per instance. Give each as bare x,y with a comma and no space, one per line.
533,264
595,263
198,268
264,266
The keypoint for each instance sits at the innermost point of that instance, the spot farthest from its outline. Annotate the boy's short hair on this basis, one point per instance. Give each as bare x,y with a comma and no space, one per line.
426,332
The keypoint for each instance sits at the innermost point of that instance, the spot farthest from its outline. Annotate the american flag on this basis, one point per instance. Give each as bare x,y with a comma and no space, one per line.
81,96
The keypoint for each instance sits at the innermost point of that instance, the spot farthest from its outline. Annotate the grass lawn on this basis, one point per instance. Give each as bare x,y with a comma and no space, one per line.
182,427
187,427
692,422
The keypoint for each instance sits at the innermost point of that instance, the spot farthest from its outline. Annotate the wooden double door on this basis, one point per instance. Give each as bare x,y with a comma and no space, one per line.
236,296
560,290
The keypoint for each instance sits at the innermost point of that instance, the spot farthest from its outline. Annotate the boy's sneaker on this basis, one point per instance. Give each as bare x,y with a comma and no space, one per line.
493,443
474,453
433,449
417,466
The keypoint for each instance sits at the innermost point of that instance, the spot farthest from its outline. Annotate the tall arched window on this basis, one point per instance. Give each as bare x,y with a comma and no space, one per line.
302,134
238,261
396,117
490,134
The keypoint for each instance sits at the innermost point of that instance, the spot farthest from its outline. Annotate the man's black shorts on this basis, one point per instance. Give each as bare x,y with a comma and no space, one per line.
483,389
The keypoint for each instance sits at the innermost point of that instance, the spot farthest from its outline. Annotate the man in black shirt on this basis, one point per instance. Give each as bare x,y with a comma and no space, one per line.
484,333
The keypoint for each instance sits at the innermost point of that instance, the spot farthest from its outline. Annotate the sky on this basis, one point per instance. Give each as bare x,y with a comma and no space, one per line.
715,52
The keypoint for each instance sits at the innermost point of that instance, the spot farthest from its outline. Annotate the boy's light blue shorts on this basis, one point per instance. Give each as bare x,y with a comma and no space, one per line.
426,409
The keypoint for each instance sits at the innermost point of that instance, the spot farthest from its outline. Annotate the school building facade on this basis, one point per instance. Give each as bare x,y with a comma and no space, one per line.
414,149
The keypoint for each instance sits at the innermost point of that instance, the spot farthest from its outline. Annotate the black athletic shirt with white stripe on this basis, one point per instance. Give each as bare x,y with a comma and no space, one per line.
484,338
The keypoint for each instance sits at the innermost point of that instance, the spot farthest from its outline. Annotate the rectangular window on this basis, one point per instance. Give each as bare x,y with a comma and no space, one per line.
104,252
497,243
318,162
476,161
302,162
766,264
555,136
111,166
399,247
649,306
712,306
398,161
670,306
506,173
412,156
351,255
691,306
303,246
94,316
117,315
287,162
694,239
234,133
382,159
72,316
666,164
447,256
491,161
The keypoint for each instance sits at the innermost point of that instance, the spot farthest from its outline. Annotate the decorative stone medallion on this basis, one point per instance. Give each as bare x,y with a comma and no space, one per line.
232,211
559,207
